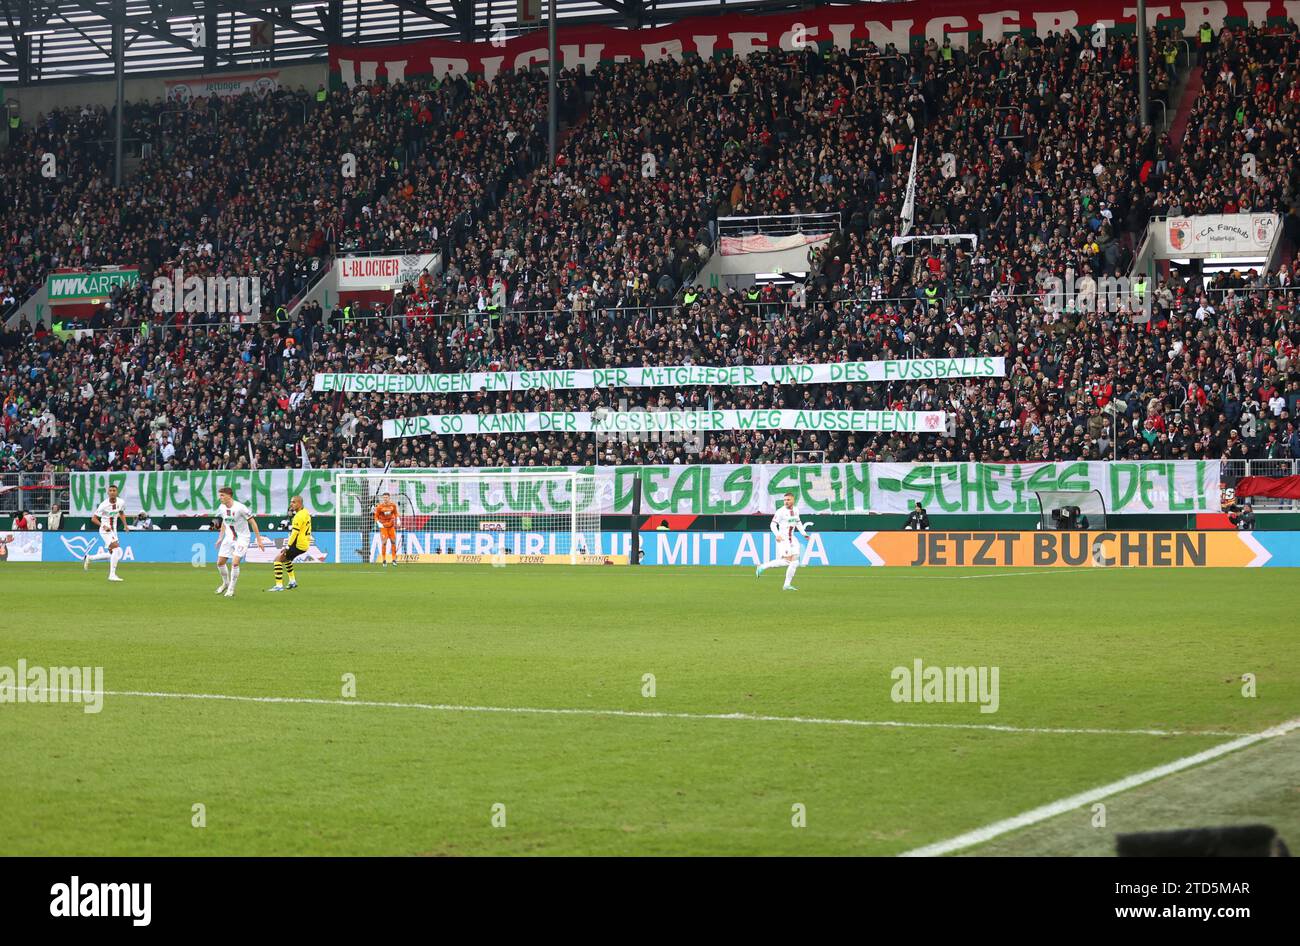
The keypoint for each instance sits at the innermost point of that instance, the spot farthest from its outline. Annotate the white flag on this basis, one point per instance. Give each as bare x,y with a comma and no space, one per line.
909,201
252,460
306,460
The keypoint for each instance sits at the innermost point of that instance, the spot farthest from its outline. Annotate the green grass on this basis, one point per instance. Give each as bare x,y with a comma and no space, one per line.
1088,648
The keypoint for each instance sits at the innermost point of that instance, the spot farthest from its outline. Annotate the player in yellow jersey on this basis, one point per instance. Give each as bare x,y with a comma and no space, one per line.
298,542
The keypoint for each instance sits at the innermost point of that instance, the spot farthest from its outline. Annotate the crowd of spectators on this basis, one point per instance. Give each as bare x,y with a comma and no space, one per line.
1215,374
1034,147
1240,153
255,186
211,198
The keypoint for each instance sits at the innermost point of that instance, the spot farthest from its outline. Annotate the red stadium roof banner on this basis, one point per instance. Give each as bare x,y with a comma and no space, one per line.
844,26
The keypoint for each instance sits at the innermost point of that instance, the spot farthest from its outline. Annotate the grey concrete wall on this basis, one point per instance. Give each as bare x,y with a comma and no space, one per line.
34,101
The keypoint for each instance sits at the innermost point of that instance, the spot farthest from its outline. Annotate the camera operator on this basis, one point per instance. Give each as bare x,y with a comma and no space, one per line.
918,521
1242,516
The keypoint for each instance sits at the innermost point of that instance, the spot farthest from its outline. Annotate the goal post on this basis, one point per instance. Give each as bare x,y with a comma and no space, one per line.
473,516
1071,509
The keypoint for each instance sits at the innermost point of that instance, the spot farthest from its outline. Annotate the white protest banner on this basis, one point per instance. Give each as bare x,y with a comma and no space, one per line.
615,422
736,376
1138,487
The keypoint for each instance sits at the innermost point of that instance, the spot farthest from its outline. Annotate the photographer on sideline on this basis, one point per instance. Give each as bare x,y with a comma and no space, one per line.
1242,516
918,520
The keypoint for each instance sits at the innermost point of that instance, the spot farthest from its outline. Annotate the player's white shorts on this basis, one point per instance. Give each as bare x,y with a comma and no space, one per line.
107,537
787,549
233,548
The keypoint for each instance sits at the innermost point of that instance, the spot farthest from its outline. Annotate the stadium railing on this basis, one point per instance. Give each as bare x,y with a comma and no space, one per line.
779,224
765,308
1232,470
32,492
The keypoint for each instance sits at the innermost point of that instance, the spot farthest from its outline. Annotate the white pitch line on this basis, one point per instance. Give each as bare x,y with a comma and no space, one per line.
643,714
1051,810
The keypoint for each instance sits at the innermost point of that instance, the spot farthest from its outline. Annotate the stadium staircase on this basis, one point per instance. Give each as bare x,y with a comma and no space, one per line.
1191,90
1185,92
36,310
323,288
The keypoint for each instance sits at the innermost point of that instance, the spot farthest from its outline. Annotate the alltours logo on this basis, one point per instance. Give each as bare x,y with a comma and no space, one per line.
210,295
78,546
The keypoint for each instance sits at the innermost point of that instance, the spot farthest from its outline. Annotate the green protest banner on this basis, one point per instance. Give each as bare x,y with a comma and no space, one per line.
1167,486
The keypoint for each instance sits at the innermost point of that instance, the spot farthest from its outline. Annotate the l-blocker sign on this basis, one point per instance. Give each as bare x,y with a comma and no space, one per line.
615,422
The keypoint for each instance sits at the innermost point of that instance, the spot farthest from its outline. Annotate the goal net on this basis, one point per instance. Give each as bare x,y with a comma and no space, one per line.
1071,509
470,517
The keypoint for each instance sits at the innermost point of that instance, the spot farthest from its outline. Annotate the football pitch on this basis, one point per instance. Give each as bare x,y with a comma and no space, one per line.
462,710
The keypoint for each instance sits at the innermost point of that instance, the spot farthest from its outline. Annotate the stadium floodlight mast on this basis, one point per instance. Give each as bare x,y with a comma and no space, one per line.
598,419
119,80
552,69
1143,88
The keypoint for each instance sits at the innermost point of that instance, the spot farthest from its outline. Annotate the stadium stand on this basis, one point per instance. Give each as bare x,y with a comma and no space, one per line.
1248,105
1045,162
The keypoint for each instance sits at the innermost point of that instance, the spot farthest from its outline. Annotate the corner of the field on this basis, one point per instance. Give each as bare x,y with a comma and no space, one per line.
1042,813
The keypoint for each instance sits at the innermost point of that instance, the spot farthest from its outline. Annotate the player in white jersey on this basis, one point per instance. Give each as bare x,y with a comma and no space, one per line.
233,539
785,523
107,515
